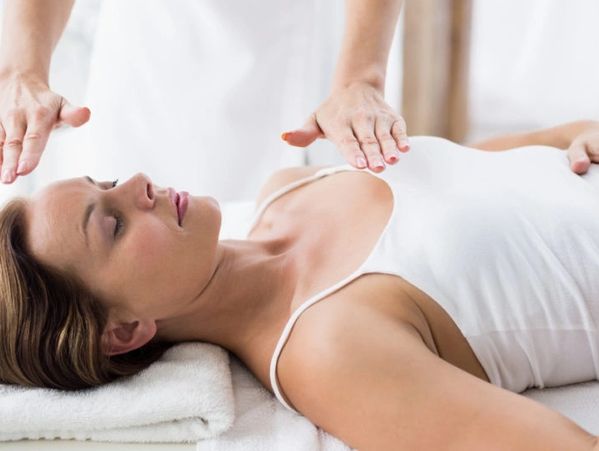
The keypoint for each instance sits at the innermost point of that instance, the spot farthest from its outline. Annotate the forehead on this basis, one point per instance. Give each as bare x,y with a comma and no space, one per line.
53,218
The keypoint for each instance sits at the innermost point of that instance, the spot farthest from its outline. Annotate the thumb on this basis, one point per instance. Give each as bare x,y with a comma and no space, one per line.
73,115
304,136
579,159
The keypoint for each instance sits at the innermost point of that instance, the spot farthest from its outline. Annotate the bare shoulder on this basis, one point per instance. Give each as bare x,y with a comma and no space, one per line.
283,177
372,382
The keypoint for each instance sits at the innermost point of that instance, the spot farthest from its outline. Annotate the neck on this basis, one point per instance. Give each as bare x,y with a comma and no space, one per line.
248,295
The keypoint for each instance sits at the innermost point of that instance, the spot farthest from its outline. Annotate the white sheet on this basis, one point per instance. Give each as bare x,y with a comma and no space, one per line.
263,424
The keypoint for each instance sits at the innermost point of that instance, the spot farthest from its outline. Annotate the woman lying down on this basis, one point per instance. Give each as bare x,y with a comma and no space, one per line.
398,311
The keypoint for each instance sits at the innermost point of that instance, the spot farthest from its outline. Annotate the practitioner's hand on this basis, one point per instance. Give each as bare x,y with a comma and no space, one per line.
28,113
584,150
359,122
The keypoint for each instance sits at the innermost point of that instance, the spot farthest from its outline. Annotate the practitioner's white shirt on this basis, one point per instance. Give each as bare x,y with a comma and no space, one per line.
196,93
506,242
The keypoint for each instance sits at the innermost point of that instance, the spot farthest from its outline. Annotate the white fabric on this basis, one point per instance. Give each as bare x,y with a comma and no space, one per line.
530,64
201,91
263,424
506,242
183,397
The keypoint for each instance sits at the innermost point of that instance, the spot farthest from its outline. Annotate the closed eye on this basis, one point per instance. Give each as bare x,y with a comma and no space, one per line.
118,226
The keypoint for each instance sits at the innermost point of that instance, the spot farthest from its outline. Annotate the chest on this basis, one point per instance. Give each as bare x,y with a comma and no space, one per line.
333,237
334,224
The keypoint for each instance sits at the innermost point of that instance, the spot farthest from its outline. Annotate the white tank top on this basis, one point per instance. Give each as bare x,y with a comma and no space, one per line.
506,242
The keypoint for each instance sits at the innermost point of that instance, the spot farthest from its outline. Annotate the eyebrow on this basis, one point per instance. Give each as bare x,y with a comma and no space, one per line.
87,213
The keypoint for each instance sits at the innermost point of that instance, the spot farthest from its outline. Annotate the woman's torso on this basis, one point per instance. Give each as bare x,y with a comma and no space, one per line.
435,243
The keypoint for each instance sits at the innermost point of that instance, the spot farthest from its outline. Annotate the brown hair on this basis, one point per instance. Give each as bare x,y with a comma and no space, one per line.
50,323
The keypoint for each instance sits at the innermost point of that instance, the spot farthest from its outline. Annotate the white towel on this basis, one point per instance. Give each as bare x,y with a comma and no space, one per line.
184,396
263,424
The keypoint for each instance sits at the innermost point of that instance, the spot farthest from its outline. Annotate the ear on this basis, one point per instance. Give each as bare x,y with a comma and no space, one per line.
119,338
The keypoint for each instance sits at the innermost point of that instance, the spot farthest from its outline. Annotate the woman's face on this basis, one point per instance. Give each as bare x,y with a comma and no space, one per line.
131,252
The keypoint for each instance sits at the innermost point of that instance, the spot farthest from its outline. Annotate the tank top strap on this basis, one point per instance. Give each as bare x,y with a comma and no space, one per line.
289,326
284,189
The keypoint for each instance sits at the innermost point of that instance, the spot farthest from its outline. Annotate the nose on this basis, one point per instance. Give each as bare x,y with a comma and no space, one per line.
144,191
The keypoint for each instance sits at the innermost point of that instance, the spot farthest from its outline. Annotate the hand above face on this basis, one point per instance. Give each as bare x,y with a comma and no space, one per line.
29,111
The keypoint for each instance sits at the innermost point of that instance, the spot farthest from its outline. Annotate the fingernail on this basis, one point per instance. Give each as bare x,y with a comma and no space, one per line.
361,162
284,136
22,167
404,143
394,156
378,163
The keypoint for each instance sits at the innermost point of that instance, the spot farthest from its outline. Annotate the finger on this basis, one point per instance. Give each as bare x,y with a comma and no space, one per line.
14,126
35,140
363,128
386,141
399,132
579,160
2,139
304,136
349,147
72,115
592,148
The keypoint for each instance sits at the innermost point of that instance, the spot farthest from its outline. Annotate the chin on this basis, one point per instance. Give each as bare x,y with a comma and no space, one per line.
214,201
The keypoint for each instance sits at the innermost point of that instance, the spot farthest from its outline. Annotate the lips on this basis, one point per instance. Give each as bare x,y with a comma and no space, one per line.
174,198
182,201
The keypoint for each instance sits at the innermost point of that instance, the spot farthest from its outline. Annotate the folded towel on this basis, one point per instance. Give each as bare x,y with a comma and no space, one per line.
262,423
185,396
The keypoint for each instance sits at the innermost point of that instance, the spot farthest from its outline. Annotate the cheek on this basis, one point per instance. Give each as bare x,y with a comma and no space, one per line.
146,268
151,244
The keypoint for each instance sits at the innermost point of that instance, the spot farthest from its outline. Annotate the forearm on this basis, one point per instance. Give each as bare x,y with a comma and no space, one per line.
31,29
560,136
369,27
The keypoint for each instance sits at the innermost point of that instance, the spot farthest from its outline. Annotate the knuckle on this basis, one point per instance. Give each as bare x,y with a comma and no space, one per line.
32,136
13,143
41,113
399,126
386,136
363,116
368,140
12,114
348,141
373,156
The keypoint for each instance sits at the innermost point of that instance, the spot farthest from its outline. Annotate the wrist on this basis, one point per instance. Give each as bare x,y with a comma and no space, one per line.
31,74
20,60
373,77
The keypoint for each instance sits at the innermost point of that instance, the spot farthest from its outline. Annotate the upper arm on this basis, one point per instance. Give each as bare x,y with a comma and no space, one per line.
284,176
383,389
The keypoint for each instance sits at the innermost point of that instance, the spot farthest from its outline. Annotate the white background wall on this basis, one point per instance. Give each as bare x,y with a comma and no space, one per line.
534,63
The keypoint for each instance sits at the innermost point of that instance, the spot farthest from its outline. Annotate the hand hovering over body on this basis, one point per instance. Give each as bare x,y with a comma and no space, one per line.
29,110
355,116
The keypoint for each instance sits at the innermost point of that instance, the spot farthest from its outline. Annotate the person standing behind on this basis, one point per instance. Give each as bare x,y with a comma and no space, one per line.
354,117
